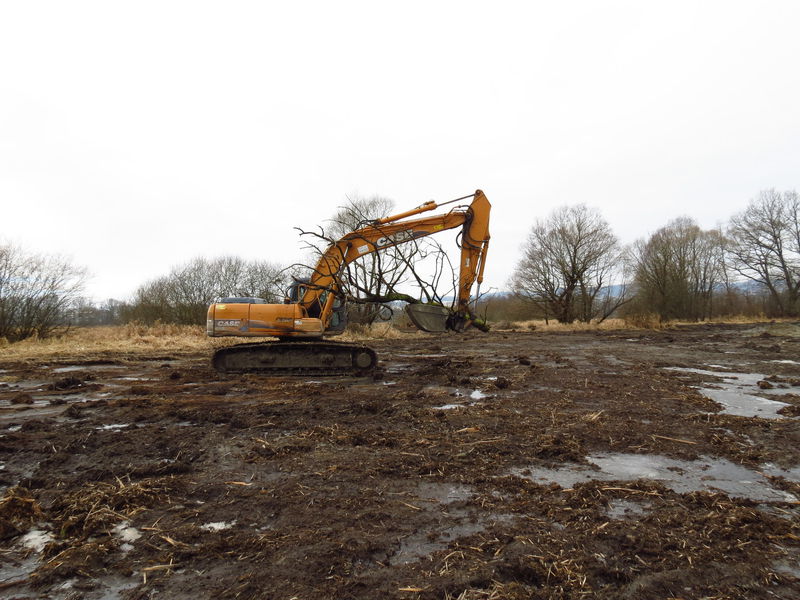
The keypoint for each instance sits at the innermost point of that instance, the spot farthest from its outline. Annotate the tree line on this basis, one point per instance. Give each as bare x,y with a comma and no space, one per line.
572,267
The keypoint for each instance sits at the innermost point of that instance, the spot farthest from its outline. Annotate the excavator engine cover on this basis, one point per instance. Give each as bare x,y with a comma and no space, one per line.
428,317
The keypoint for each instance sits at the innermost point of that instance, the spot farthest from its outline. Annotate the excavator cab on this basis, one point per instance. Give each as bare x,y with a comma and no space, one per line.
338,322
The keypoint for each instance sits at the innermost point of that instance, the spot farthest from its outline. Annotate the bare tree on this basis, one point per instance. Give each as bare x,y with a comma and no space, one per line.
569,266
183,296
677,270
765,247
373,276
399,268
36,291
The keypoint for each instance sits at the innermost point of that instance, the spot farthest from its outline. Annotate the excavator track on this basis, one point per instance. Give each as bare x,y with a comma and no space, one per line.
295,358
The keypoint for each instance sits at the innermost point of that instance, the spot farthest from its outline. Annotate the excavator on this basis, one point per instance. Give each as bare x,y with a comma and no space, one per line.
314,307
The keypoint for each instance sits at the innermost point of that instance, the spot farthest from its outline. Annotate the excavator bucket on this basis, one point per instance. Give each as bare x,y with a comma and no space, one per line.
428,317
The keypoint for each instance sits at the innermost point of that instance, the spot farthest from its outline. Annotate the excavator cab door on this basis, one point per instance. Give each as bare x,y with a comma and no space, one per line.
338,318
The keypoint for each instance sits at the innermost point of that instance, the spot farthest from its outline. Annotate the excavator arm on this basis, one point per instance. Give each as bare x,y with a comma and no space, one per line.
323,286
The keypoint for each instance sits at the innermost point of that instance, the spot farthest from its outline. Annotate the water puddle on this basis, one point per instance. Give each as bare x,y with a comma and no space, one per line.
36,539
790,564
444,493
217,526
626,509
126,533
447,521
745,405
29,385
109,588
473,395
398,368
74,368
734,393
419,545
12,569
707,474
453,406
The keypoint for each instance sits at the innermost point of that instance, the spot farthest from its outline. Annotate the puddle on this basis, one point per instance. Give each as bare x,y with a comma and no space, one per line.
420,545
29,385
398,368
444,493
626,509
36,539
438,390
73,368
453,406
109,588
126,533
792,474
734,393
785,362
682,476
790,564
744,405
13,569
786,567
448,523
114,427
217,526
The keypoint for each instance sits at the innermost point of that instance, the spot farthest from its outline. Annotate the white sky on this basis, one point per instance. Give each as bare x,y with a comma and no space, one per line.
137,135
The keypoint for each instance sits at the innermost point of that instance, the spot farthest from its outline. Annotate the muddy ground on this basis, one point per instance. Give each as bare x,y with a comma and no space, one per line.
499,465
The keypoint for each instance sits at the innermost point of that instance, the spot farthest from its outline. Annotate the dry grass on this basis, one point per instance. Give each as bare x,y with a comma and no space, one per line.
376,331
135,339
540,325
639,322
18,510
99,342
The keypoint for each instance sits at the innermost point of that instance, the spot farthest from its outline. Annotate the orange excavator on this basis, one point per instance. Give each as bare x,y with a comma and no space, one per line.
315,307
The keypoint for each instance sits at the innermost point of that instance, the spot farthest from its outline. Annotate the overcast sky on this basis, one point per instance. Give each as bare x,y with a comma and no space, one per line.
135,136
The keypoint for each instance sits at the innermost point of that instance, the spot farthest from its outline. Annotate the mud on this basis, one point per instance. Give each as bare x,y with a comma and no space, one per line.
499,465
